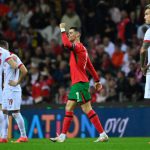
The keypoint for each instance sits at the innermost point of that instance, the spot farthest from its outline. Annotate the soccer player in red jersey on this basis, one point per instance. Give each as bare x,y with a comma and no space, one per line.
79,92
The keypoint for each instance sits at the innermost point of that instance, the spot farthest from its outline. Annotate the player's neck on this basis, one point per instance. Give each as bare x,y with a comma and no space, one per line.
77,41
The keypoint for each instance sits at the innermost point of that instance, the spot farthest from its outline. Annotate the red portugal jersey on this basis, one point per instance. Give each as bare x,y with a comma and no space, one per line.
79,61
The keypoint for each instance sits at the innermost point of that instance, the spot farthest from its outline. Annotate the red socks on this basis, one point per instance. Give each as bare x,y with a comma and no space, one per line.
67,121
91,115
95,121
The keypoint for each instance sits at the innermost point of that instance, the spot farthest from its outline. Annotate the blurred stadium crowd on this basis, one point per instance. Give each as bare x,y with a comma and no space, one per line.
111,30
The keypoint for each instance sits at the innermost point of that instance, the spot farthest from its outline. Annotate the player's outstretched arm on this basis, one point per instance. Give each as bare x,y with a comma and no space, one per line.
23,73
64,37
12,63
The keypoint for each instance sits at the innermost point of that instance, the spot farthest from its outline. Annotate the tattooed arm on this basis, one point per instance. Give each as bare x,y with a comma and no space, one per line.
143,55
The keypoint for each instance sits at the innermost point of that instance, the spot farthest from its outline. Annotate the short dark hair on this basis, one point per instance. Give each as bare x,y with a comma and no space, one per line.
147,6
74,28
3,43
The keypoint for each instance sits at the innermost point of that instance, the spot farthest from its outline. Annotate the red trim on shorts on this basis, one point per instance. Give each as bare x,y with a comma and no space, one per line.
84,101
147,41
20,65
7,59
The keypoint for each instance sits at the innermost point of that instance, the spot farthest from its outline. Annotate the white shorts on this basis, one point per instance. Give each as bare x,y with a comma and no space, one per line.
147,87
11,100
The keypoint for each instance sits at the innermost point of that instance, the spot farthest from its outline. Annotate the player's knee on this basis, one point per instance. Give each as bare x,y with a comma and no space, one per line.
86,109
1,116
68,108
14,114
5,112
70,105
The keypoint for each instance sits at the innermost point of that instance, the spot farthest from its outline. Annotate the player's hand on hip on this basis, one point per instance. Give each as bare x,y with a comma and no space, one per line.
144,69
13,83
62,25
98,86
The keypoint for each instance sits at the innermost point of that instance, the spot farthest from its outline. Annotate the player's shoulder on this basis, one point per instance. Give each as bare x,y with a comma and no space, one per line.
2,50
79,44
14,56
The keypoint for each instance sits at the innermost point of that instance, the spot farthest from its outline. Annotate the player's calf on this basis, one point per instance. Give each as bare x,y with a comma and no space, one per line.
20,122
1,122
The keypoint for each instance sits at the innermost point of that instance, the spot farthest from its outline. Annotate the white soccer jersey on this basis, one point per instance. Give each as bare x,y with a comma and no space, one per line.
4,57
12,74
147,84
147,39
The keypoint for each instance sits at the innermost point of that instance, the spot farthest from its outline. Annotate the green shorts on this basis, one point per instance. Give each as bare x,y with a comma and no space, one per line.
80,92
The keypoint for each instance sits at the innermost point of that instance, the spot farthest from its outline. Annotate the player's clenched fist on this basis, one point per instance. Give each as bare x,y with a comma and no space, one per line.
98,86
144,69
62,25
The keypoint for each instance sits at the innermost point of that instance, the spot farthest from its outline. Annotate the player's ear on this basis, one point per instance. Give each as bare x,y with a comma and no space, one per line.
78,34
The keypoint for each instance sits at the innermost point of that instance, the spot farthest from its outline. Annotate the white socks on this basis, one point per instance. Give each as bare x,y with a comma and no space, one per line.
1,122
103,134
20,122
5,126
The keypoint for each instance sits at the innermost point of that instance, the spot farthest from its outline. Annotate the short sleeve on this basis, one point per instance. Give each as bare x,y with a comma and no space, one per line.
147,36
19,62
6,55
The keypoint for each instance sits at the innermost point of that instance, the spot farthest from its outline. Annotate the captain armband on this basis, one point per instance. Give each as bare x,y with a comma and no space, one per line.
62,29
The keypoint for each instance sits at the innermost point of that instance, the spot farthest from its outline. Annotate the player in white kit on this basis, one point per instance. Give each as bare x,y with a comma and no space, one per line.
11,97
4,57
145,54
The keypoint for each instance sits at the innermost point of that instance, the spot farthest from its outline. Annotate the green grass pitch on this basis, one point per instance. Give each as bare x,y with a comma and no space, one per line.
81,144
